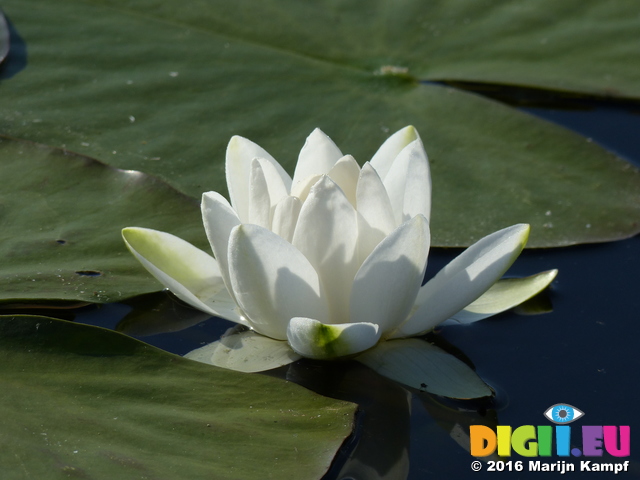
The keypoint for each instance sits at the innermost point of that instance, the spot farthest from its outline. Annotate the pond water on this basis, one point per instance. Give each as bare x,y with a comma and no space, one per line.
583,353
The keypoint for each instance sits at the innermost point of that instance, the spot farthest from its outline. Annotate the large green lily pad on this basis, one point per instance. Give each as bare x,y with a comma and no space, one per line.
84,402
160,86
61,216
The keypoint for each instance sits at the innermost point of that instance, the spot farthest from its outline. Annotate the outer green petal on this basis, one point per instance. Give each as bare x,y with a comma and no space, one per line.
313,339
389,150
385,287
424,366
273,282
503,295
327,235
191,274
245,352
318,155
464,279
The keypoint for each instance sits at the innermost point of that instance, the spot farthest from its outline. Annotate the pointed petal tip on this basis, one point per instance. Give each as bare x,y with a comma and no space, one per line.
138,234
520,231
235,141
212,195
318,131
128,231
206,196
411,132
524,229
317,135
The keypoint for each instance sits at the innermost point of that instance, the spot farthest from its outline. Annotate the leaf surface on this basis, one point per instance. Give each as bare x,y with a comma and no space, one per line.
61,216
84,402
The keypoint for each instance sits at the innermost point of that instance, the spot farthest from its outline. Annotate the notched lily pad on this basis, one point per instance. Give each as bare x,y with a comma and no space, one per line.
86,402
61,215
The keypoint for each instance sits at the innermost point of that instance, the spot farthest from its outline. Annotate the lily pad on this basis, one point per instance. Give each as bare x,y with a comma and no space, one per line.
161,86
61,215
84,402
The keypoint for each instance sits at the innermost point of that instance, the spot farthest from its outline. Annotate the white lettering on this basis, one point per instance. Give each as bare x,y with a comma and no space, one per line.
589,466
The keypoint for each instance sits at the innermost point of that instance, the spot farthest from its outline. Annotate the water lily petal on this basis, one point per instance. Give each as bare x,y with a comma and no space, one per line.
191,274
327,234
375,215
246,351
389,150
219,218
345,173
266,189
386,285
313,339
301,189
285,217
240,153
278,181
424,366
259,200
318,155
272,281
503,295
408,183
464,279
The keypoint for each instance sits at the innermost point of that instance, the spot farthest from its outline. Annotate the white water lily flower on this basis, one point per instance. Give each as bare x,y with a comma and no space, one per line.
329,264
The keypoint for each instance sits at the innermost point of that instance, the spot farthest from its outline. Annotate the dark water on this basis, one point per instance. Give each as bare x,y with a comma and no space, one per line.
584,353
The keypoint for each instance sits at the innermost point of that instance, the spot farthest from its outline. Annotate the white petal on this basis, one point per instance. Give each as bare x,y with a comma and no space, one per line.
191,274
265,191
408,183
259,200
302,188
313,339
273,282
463,280
424,366
385,287
375,215
503,295
219,218
278,181
240,153
389,150
345,173
317,156
327,234
285,217
245,352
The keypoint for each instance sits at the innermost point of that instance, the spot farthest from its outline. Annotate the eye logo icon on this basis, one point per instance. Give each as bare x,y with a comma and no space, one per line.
563,413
